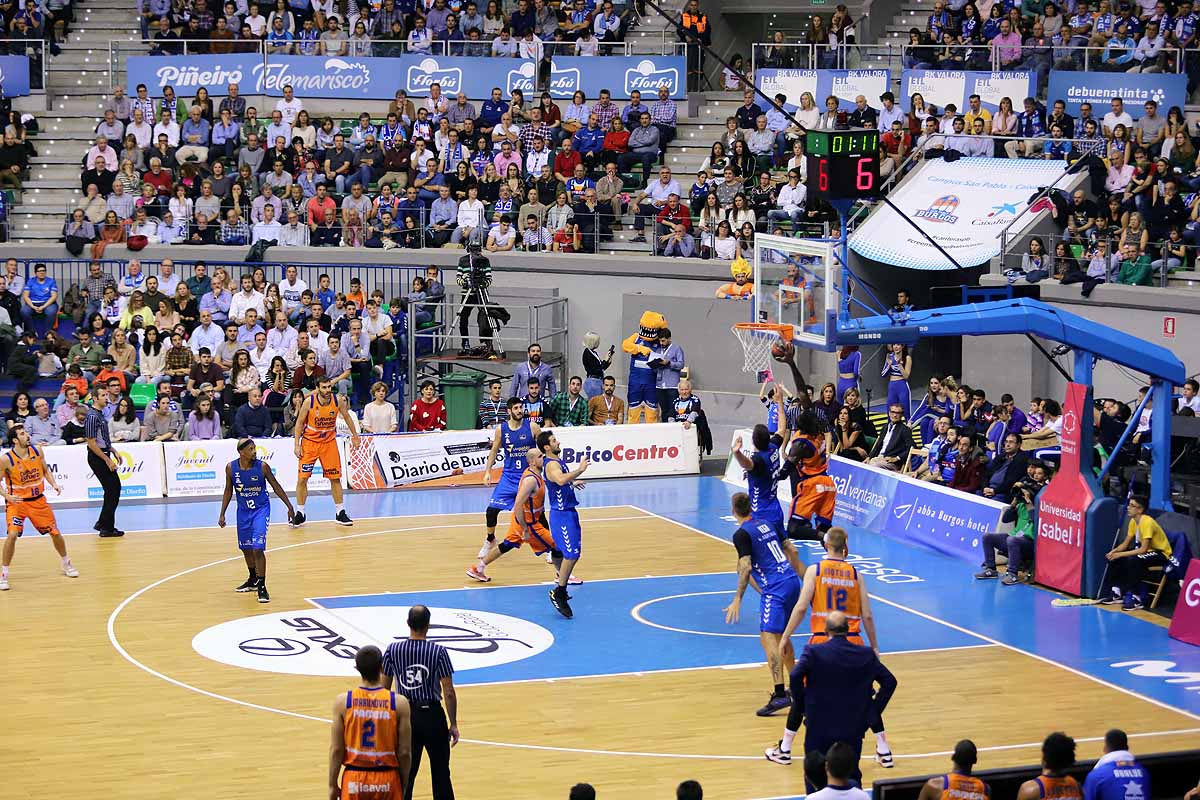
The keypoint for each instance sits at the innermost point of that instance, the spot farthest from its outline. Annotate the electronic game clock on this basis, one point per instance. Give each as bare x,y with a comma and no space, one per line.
842,164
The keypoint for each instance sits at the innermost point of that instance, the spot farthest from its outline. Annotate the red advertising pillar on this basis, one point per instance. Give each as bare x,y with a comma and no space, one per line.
1063,504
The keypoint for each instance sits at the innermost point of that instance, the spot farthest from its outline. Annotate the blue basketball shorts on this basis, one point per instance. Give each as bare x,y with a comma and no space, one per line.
252,529
776,605
568,535
506,490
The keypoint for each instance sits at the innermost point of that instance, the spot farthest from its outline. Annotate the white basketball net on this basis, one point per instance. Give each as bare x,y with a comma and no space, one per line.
756,347
361,467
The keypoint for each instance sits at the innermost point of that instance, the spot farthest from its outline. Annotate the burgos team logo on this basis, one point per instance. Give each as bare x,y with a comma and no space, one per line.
321,642
521,78
646,77
940,210
428,72
564,82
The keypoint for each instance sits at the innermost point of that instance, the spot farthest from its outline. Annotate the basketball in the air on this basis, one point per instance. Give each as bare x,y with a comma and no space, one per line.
782,351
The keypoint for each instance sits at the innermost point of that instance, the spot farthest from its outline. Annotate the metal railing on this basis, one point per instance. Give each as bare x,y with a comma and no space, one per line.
35,51
1161,253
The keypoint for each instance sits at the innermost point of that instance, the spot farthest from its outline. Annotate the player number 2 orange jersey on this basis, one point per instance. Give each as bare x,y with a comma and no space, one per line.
321,425
25,476
370,728
836,589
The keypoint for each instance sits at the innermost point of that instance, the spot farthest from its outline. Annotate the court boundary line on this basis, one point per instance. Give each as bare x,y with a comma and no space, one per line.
114,640
977,635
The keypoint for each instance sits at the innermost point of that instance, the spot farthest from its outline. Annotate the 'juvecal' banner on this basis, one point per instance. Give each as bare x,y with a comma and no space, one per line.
331,76
844,84
897,506
197,469
939,87
964,205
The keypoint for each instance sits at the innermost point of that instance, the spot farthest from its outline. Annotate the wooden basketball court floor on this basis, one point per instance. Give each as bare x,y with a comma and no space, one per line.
148,677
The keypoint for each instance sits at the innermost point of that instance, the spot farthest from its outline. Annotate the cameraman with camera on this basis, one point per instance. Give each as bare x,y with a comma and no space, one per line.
1019,544
474,277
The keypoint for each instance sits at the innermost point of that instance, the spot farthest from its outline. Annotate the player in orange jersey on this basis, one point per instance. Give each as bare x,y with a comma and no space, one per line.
959,783
528,522
371,737
833,584
1058,755
316,440
24,478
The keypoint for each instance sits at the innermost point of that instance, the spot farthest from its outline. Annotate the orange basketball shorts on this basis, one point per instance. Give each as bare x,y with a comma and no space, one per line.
371,784
540,540
817,495
37,511
325,452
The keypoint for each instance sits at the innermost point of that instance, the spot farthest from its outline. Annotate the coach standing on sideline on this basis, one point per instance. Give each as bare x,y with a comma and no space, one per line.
834,682
103,465
424,674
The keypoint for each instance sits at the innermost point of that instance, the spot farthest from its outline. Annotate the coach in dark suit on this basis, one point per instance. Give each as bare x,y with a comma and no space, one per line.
894,442
835,684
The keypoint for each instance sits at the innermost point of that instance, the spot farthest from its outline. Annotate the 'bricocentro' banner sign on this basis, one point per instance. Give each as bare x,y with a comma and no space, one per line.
964,205
457,458
897,506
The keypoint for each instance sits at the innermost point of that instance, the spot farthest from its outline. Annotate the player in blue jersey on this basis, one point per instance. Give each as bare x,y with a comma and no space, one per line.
248,477
561,485
767,558
761,467
516,436
1117,775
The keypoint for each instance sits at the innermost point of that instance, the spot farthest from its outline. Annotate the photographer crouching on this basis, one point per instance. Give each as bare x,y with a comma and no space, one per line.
474,277
1019,544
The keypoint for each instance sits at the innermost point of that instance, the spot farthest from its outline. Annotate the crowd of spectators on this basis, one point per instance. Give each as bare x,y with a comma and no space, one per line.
532,29
212,358
435,171
1040,35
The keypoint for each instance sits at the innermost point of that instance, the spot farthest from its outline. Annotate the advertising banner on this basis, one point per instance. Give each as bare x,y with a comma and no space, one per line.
14,75
619,74
1099,88
1185,623
963,205
940,87
332,76
140,466
844,84
457,458
197,469
899,507
1064,503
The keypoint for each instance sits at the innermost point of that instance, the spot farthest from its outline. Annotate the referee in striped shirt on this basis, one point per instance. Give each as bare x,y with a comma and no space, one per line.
103,465
423,673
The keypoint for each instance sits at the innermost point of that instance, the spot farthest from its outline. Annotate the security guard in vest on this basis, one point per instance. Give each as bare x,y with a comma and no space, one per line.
697,32
423,673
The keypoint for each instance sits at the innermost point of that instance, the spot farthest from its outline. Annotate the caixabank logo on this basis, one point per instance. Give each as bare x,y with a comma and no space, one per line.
322,642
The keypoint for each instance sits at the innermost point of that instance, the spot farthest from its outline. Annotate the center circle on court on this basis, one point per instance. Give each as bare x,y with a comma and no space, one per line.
699,614
324,642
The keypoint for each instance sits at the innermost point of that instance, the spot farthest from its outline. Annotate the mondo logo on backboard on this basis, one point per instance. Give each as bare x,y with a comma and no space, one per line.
324,643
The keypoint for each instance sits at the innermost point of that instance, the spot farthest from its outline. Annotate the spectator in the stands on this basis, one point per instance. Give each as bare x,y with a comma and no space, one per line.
651,200
428,411
380,416
863,115
43,429
894,443
164,424
39,301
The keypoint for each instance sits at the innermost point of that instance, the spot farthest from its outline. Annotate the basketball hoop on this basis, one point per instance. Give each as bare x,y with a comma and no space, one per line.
757,339
362,468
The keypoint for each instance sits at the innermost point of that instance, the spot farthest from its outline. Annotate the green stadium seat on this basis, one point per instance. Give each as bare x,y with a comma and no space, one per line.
142,394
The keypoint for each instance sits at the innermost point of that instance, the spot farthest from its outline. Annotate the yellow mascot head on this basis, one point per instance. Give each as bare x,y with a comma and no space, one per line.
741,270
650,324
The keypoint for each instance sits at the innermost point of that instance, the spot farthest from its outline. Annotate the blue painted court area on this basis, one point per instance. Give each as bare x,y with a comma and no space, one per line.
923,599
634,625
